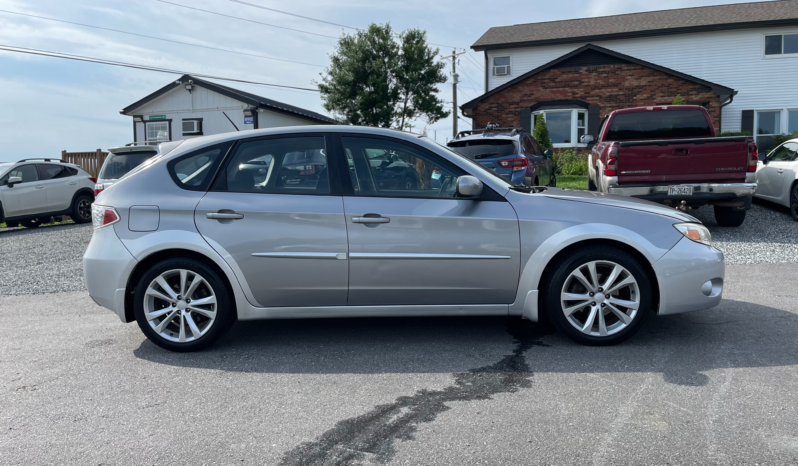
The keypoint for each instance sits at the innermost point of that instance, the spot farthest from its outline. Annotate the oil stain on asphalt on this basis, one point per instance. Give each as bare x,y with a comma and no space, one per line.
372,435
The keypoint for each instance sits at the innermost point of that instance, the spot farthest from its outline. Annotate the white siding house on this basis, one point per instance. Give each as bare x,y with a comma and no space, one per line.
208,108
751,48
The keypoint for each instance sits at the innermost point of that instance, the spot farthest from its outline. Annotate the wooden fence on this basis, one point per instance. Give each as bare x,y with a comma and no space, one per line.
92,162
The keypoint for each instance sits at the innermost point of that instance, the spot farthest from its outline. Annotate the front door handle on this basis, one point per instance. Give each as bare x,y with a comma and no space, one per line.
224,216
371,220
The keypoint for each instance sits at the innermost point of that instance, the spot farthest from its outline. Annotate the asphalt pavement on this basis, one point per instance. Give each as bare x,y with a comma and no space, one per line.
711,387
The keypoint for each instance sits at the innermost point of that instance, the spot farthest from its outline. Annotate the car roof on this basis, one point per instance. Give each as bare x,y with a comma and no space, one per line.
660,107
475,137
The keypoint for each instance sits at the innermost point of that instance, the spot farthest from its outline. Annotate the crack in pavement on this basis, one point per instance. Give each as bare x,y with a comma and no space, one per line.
372,435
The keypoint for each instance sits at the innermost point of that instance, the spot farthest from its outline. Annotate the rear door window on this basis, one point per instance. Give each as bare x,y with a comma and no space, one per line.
659,124
476,149
52,172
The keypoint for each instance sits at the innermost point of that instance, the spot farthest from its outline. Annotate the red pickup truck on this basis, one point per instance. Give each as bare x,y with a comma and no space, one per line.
670,154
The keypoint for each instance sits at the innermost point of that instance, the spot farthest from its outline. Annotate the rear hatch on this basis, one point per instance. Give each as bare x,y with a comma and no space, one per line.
675,146
489,152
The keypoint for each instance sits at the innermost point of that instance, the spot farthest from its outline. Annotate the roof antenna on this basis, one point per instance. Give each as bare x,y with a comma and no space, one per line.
231,122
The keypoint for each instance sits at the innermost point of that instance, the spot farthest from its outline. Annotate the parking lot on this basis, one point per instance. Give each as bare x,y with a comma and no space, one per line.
711,387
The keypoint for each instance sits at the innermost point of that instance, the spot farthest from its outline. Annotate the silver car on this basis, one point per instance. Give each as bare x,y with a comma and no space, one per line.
296,223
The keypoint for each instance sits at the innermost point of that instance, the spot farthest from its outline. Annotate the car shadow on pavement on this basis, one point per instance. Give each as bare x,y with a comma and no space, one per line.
681,347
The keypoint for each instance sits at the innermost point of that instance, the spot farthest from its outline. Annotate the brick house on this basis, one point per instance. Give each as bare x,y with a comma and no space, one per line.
738,61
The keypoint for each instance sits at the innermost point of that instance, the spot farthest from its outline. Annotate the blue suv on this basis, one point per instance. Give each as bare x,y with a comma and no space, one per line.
510,152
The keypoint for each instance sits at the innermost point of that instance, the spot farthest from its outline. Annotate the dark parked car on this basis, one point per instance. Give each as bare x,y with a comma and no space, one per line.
510,152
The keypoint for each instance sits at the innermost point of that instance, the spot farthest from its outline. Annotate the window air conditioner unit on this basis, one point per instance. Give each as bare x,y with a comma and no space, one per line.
501,70
191,127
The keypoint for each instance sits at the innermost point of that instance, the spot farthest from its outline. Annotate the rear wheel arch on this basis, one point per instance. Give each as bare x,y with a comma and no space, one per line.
551,265
81,192
145,264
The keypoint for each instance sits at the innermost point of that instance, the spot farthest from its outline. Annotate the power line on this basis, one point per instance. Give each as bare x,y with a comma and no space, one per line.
160,38
474,61
248,20
12,48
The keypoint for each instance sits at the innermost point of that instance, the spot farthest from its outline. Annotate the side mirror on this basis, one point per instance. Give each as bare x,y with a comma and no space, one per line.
586,138
14,180
764,159
468,186
548,152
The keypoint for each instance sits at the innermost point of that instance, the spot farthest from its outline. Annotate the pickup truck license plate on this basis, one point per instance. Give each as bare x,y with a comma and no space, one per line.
680,190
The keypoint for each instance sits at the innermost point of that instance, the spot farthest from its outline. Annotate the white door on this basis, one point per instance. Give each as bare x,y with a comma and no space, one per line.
771,177
25,198
59,184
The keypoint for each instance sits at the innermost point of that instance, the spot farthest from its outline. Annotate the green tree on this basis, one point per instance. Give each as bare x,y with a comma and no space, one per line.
376,80
541,133
678,100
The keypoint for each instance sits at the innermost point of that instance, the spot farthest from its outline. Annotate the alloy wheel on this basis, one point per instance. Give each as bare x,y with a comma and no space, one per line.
600,298
84,209
180,305
794,202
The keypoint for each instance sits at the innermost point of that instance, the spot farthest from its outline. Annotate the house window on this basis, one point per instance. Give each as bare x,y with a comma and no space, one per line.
157,131
566,127
792,121
501,66
781,44
768,125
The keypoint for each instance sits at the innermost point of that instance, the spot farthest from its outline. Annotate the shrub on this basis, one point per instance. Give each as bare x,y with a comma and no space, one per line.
782,138
735,133
570,162
678,100
541,133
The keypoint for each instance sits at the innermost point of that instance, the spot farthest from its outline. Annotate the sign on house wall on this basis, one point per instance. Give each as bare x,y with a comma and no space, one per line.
156,117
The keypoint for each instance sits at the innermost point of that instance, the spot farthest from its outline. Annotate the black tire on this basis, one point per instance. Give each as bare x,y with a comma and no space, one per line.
555,282
552,180
535,182
794,202
591,186
225,307
729,217
81,209
11,224
32,223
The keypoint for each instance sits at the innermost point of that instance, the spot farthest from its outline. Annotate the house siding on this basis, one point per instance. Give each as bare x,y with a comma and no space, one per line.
733,59
612,87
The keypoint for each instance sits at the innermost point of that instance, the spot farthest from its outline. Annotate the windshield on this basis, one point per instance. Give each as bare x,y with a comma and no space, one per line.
659,125
477,166
118,165
485,148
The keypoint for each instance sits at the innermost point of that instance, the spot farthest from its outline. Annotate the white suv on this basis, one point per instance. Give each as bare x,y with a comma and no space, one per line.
33,190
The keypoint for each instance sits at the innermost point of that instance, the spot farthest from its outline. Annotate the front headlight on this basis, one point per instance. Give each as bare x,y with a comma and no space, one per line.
695,231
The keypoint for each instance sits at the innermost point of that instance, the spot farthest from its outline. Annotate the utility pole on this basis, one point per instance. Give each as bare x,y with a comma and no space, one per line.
455,77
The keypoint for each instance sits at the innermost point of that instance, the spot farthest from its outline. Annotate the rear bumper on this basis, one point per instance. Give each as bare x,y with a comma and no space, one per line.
107,264
690,278
701,191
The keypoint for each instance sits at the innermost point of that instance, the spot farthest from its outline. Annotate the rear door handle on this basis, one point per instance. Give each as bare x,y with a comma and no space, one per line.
781,171
224,216
73,183
41,186
371,220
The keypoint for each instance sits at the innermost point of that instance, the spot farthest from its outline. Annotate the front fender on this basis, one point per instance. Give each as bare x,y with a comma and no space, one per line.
526,300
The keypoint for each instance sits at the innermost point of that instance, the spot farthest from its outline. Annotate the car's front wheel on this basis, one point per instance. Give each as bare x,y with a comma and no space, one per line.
183,305
598,295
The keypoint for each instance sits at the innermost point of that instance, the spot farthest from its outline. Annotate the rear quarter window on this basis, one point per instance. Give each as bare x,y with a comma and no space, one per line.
658,124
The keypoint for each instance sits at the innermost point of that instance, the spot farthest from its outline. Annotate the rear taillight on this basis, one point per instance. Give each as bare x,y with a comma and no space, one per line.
93,179
753,158
612,161
98,188
517,164
102,216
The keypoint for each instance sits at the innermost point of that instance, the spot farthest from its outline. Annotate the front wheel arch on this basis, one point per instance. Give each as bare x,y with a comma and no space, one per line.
144,265
548,271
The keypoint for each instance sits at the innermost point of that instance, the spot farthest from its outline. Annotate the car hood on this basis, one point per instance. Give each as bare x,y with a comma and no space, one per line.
592,197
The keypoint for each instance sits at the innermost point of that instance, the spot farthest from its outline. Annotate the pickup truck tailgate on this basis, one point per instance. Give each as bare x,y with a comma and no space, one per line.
683,160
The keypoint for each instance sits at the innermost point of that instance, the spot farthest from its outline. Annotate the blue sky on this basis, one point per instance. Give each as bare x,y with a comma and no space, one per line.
49,104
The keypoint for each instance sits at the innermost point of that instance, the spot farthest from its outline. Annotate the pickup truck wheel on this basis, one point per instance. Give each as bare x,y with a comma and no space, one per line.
552,181
794,202
598,295
729,217
81,209
33,223
591,186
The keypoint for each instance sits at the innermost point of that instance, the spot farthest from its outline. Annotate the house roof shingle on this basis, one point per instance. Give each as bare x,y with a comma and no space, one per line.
663,22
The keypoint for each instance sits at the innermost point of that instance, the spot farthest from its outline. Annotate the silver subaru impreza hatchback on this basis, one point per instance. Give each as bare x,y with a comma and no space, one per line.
341,221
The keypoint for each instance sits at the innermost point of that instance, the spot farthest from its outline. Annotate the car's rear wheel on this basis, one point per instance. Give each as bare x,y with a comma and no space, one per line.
729,217
794,202
81,209
591,186
32,223
598,295
183,305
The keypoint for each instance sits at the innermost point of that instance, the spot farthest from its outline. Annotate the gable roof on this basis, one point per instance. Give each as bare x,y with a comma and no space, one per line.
652,23
593,55
246,97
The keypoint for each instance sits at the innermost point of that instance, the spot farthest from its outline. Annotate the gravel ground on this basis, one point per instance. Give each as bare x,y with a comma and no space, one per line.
48,259
768,236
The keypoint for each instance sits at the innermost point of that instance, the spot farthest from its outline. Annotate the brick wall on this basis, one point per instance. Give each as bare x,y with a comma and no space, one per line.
612,87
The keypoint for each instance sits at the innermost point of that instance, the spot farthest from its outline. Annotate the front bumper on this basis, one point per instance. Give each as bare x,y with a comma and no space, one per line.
107,265
690,277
